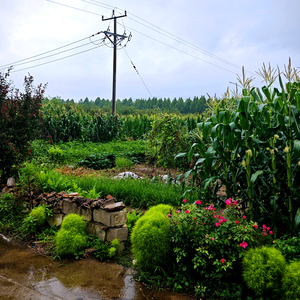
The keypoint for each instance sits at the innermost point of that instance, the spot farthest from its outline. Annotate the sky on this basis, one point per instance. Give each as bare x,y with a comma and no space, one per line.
179,48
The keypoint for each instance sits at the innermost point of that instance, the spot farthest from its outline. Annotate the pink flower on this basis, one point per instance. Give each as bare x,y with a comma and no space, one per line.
187,211
268,228
178,211
271,232
212,239
184,200
195,218
244,217
213,209
222,260
217,224
243,244
205,208
169,215
5,108
203,223
255,226
228,202
198,202
224,220
237,222
264,226
235,202
34,115
220,221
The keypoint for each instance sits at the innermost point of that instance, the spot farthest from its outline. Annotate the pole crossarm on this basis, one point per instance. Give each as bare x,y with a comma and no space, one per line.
114,17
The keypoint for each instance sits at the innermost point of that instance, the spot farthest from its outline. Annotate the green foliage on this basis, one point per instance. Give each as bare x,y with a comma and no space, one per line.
112,252
20,122
8,210
253,151
29,225
167,137
291,281
71,238
132,218
150,242
69,242
123,163
208,244
39,213
47,235
290,247
57,154
263,269
160,208
98,161
73,222
115,243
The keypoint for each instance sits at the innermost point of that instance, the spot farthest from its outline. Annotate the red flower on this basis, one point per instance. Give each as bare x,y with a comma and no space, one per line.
194,218
271,232
187,211
244,217
5,108
168,214
198,202
237,222
222,260
184,200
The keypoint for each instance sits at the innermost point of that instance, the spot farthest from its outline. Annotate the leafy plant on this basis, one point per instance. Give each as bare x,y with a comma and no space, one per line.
291,281
8,209
123,163
57,154
71,238
132,218
290,247
98,161
263,269
151,246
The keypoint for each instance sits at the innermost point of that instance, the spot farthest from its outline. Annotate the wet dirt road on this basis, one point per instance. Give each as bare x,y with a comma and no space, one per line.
26,275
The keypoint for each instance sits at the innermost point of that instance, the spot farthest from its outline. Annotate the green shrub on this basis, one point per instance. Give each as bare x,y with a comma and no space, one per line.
39,213
290,247
263,270
57,154
291,281
73,222
161,208
123,163
150,241
115,243
69,242
71,238
7,207
208,243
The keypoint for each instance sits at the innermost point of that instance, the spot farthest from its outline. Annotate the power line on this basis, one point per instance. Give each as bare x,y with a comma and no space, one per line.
74,8
136,70
57,59
43,53
27,62
175,38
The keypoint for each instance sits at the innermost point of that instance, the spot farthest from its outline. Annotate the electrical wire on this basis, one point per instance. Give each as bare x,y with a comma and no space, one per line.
15,65
136,70
175,38
57,59
75,8
6,65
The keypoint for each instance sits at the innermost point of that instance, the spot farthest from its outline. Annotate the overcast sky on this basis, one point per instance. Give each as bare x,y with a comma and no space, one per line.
243,33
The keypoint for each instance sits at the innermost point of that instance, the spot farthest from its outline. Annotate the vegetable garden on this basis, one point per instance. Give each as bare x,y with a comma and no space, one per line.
244,245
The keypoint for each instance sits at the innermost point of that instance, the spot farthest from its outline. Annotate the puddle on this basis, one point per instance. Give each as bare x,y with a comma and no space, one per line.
78,280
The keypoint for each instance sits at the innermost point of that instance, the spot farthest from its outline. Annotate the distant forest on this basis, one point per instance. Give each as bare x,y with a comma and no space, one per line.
143,106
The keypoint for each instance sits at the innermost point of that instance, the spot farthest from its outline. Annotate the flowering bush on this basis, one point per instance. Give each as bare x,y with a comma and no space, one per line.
19,121
209,243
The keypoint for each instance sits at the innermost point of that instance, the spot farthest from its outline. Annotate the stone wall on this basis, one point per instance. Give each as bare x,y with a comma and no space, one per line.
105,218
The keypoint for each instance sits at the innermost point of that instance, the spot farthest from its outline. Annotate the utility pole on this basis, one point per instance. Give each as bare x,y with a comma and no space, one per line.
117,39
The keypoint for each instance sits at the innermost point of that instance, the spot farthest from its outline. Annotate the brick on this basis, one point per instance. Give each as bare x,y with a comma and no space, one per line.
118,218
55,220
101,216
96,229
117,233
70,208
87,214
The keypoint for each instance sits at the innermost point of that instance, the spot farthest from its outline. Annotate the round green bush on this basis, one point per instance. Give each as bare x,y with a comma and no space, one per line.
291,281
263,269
162,208
150,240
39,213
74,222
69,242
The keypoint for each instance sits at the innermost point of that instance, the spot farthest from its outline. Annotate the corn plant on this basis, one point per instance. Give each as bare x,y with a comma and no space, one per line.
254,151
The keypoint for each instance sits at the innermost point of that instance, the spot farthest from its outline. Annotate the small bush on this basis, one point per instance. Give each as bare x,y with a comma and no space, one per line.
123,163
71,238
39,213
161,208
291,281
115,243
57,154
150,241
263,270
69,242
73,222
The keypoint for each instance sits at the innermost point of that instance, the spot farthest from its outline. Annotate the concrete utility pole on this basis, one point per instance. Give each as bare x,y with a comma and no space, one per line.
116,41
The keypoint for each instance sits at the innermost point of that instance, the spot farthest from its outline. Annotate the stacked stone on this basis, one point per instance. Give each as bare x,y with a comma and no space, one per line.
105,218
